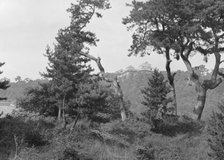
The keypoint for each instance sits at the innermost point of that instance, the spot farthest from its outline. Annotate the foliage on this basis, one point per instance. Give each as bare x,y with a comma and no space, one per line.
97,101
216,130
16,131
131,130
170,24
39,100
179,29
183,125
71,89
146,153
155,96
4,83
68,68
94,100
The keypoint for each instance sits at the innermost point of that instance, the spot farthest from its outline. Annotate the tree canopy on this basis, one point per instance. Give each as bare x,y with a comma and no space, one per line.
180,28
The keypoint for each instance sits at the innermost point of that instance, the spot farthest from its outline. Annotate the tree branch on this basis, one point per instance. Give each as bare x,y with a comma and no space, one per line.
168,61
97,60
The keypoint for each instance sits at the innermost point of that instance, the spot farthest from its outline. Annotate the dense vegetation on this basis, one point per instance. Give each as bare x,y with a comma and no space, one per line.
76,114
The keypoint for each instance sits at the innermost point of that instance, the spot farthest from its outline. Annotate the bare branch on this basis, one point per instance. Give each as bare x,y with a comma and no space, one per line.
190,48
97,60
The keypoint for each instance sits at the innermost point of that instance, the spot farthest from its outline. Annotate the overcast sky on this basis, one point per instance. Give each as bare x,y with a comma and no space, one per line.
28,26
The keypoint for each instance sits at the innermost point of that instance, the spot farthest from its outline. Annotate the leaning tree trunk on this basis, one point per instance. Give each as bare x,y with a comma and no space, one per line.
119,92
201,99
59,113
171,79
202,86
115,82
63,108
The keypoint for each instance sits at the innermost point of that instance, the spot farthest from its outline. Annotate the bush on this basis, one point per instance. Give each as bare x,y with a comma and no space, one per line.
181,126
145,153
15,131
130,130
216,132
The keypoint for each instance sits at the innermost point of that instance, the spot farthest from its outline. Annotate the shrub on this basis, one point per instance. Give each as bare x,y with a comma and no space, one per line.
181,126
16,132
145,153
216,132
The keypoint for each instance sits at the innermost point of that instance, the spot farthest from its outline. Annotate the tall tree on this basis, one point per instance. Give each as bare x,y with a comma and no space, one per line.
150,21
181,28
67,69
71,53
82,13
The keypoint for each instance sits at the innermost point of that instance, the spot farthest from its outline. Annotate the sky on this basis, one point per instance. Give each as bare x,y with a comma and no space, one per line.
28,26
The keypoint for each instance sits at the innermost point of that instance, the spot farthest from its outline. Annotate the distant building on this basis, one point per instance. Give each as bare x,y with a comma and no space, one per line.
145,66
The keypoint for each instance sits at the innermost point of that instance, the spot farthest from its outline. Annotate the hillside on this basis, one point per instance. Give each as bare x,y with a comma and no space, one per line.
183,140
133,81
18,88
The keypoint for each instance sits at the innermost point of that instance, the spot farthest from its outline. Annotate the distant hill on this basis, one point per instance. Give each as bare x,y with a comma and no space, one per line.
18,88
132,82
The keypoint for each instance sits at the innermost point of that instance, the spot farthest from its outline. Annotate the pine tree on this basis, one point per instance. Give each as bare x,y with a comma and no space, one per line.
68,68
155,95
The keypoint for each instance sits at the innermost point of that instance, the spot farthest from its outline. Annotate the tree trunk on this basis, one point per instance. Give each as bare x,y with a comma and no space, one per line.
201,86
116,84
121,99
74,123
201,99
170,77
63,108
59,113
123,115
174,100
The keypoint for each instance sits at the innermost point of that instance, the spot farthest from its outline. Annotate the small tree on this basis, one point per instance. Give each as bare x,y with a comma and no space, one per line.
216,132
155,95
97,102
